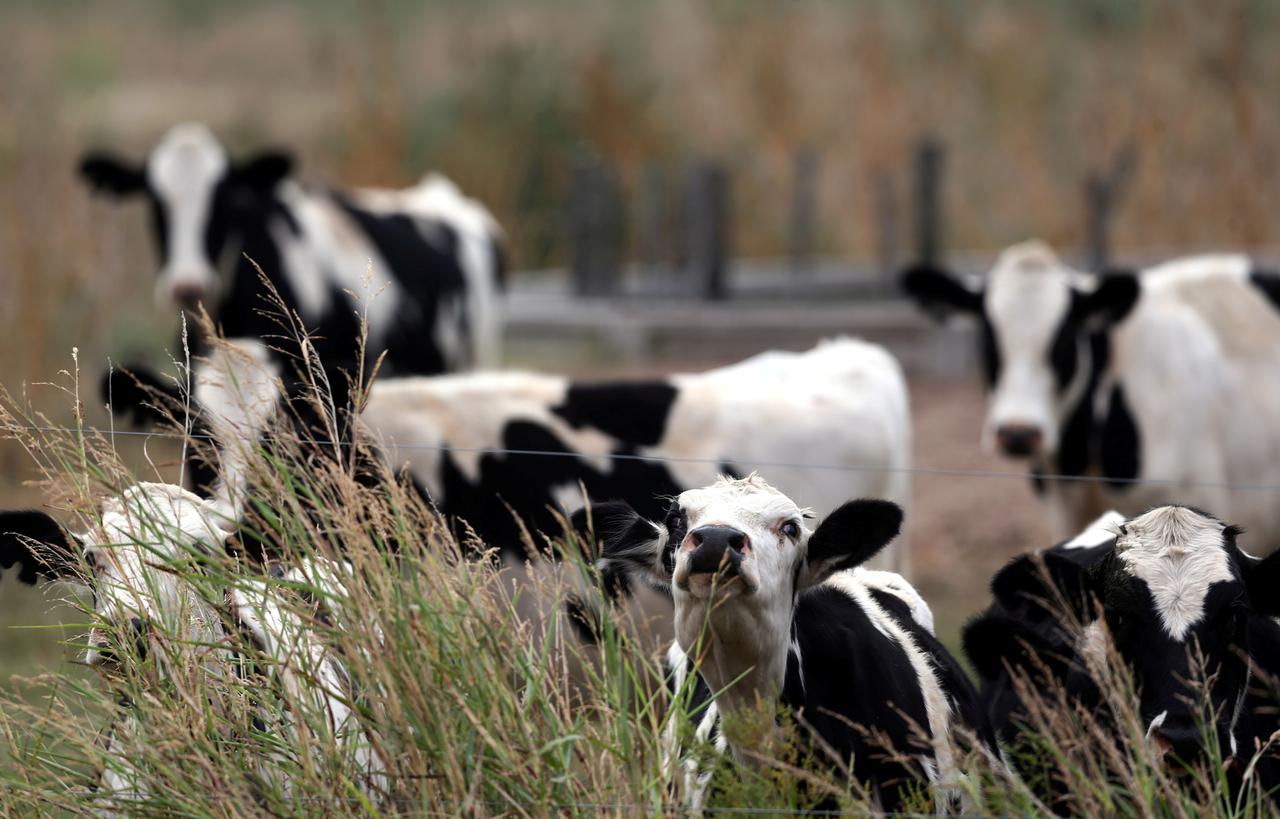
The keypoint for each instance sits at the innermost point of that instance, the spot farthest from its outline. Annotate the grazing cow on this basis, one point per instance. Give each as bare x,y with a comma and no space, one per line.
127,561
508,453
423,264
1161,592
767,610
1135,380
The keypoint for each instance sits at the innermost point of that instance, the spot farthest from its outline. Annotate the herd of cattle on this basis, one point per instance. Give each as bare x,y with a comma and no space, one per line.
1137,399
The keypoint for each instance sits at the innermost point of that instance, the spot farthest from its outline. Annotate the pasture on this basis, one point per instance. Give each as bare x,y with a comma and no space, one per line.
596,135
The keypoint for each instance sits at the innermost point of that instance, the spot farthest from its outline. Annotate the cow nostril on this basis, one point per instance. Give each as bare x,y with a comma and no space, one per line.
739,542
695,540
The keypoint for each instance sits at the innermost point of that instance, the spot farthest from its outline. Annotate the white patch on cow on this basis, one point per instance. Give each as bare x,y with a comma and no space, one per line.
238,392
897,585
1027,297
183,171
1179,554
148,524
568,497
1097,533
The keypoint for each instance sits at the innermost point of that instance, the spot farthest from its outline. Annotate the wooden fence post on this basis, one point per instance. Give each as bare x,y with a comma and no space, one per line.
886,215
651,230
804,208
1102,191
929,165
707,228
594,215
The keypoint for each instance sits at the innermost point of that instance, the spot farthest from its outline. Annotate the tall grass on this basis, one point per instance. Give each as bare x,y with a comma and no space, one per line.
473,692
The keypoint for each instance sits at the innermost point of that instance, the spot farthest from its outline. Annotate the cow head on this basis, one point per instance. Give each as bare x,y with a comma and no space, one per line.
1174,589
1036,316
735,555
123,560
198,199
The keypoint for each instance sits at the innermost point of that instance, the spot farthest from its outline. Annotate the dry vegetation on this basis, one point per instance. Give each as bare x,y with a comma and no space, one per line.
1028,98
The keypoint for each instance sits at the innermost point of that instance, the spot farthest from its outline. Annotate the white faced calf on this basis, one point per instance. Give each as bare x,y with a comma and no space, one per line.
769,611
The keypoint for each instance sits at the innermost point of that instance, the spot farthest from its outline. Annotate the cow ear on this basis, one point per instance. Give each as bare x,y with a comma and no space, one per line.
109,174
938,292
629,543
38,545
848,537
265,170
1116,294
1049,582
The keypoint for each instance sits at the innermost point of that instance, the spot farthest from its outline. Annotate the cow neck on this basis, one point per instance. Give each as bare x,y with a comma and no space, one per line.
741,646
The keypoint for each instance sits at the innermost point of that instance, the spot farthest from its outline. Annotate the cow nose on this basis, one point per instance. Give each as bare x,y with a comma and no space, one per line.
1019,440
187,295
717,549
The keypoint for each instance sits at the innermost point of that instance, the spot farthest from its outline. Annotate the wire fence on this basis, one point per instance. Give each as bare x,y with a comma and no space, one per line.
946,472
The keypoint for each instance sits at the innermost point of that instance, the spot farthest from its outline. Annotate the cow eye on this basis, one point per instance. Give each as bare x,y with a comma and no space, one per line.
791,529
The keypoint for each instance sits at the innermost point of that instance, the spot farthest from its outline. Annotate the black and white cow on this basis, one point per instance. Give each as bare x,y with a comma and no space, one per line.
131,559
509,452
1157,592
422,264
769,611
1135,379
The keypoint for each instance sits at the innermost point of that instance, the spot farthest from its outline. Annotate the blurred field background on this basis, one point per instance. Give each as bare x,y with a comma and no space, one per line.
1027,97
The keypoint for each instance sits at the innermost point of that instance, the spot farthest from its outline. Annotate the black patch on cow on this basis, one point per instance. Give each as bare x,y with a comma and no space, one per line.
729,470
854,675
1063,350
989,351
1120,454
429,274
35,543
634,411
1268,281
141,395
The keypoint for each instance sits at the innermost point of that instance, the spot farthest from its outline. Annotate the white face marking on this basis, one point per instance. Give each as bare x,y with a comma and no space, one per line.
747,623
1179,554
183,171
149,523
757,510
1028,295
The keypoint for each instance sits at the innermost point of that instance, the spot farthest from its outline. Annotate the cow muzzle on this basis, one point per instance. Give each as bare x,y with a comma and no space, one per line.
1019,440
715,558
